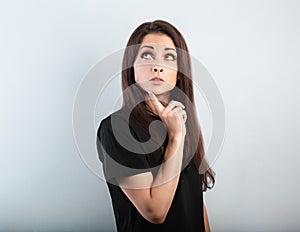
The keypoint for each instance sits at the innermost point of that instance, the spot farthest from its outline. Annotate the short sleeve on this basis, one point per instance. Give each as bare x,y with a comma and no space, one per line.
116,149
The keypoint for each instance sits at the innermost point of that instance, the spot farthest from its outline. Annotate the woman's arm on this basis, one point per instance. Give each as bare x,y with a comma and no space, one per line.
153,197
206,223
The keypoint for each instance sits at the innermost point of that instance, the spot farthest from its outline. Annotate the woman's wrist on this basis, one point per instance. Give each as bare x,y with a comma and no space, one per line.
176,138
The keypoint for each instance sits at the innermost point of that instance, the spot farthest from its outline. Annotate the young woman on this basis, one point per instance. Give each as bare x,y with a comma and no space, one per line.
156,185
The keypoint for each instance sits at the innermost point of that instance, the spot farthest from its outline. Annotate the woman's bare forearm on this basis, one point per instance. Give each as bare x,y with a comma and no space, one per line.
206,222
171,165
164,185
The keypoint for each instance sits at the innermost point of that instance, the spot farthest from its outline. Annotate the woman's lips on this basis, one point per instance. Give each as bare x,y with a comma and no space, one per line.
157,80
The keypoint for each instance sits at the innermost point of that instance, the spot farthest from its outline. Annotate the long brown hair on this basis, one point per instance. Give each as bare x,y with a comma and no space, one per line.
194,140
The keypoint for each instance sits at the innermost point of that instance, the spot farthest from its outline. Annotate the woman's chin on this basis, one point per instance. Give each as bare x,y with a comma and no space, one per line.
162,93
157,90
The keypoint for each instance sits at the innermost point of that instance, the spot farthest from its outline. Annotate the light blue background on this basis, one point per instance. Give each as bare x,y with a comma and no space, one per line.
251,48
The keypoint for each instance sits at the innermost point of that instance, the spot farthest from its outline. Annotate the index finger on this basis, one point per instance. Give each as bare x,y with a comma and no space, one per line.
158,106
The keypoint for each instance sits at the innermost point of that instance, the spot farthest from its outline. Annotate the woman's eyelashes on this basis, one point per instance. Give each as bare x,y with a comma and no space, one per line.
173,57
149,55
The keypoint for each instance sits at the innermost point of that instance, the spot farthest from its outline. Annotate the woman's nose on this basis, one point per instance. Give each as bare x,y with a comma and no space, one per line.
156,69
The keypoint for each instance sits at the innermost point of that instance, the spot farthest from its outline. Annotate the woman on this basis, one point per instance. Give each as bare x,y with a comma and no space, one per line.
156,174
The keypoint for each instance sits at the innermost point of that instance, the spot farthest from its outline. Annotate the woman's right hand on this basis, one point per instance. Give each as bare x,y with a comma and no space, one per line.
173,116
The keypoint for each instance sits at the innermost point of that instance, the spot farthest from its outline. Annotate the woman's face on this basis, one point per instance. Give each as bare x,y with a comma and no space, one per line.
155,67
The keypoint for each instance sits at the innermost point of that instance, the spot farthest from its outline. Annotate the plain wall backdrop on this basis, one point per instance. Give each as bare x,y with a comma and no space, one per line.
251,48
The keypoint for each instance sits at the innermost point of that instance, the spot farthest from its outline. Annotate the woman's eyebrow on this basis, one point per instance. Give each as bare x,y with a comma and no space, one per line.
166,49
151,47
146,46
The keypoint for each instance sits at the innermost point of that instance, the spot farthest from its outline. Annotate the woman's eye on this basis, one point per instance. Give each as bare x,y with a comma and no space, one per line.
146,55
170,57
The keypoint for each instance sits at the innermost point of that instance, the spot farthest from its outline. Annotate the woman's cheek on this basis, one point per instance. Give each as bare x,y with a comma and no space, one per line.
140,74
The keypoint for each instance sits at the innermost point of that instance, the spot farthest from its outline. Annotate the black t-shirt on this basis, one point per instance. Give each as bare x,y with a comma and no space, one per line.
186,211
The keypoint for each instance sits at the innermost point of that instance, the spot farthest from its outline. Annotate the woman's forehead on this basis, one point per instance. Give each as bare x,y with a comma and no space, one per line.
157,39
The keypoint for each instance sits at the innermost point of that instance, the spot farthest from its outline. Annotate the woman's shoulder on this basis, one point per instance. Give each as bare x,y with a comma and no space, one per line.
118,115
118,122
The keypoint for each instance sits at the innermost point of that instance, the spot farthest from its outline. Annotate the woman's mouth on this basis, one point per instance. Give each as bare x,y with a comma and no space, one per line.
157,80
